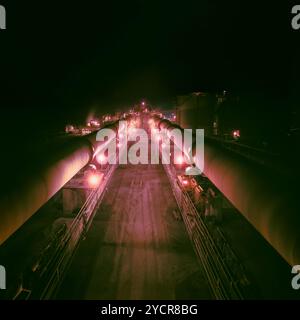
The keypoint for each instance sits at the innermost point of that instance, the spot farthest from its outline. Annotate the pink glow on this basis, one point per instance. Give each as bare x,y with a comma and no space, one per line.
236,134
94,180
101,158
179,160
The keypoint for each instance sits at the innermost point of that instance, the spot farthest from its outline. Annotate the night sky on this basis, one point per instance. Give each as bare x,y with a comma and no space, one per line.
61,60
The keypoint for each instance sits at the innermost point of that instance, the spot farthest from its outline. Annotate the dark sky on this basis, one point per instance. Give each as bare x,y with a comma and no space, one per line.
61,59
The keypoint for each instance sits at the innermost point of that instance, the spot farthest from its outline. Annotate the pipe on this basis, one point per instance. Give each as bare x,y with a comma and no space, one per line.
41,182
260,195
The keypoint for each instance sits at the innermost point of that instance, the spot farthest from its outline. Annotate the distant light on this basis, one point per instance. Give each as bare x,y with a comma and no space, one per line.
143,103
236,134
69,128
85,131
185,182
94,123
94,180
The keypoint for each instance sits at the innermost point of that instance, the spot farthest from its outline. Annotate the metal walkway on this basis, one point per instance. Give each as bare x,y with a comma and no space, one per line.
137,246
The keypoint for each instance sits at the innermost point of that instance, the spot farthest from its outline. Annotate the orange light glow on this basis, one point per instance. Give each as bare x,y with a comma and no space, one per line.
94,180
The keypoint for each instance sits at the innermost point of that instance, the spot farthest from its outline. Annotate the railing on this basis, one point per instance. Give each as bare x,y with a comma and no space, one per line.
224,272
46,275
258,155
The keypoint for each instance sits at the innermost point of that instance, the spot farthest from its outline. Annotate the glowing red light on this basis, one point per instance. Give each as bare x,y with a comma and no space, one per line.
179,160
236,134
94,180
